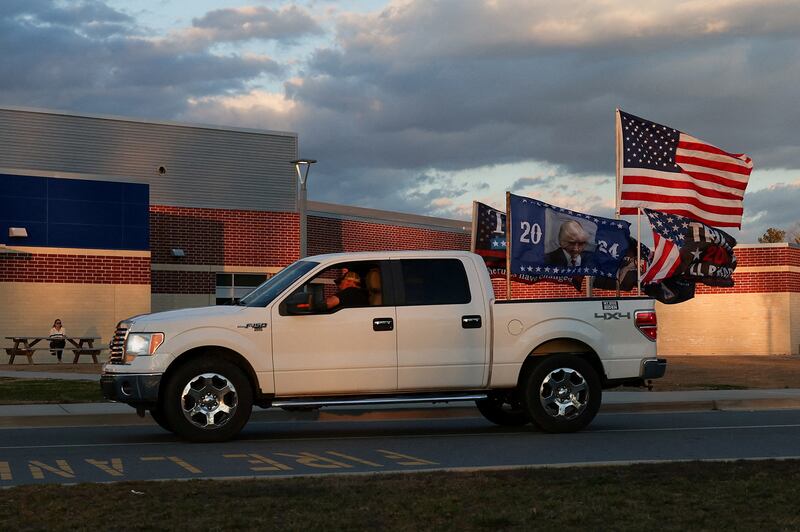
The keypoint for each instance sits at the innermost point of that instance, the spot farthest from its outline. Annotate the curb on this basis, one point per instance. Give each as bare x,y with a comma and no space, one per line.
356,415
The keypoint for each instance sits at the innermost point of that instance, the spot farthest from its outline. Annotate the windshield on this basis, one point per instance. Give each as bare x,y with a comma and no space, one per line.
265,293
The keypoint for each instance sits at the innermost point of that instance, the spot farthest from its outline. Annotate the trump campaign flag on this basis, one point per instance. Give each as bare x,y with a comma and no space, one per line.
689,250
667,170
489,237
489,241
555,242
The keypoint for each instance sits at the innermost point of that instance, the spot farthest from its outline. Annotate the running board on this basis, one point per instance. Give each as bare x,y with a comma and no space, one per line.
438,398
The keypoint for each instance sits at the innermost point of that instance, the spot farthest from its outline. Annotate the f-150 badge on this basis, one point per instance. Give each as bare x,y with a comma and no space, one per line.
254,326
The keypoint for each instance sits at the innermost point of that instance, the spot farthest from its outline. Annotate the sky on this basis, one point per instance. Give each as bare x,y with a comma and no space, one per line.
422,106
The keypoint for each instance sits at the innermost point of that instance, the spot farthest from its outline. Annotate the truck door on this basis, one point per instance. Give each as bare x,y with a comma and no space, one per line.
441,325
350,347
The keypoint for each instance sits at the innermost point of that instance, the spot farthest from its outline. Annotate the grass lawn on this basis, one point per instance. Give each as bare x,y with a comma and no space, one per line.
21,391
757,495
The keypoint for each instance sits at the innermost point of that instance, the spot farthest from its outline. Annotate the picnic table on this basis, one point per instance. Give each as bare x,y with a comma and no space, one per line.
26,346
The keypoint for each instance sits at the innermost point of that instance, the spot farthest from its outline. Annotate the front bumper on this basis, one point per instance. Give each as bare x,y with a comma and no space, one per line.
131,388
654,368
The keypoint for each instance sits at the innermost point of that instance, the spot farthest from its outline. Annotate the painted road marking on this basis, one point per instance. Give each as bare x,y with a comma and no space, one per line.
112,467
62,469
174,459
257,463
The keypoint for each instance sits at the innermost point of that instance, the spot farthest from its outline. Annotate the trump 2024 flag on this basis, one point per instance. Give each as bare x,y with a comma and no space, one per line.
552,241
689,250
667,170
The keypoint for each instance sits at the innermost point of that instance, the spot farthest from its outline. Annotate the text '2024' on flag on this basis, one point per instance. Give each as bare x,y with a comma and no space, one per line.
689,250
556,242
667,170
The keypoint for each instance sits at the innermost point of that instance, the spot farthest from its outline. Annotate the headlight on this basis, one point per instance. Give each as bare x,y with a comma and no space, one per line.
139,344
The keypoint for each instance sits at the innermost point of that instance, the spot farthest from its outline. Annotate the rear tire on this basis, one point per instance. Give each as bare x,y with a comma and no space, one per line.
562,393
207,399
503,409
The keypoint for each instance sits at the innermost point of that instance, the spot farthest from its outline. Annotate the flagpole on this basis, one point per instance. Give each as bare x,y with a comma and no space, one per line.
472,237
508,245
618,163
618,152
638,251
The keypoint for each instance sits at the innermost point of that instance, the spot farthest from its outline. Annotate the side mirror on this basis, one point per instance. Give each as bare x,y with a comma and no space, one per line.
299,303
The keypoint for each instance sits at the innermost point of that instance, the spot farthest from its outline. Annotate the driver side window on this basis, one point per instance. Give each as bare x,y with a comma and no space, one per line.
344,285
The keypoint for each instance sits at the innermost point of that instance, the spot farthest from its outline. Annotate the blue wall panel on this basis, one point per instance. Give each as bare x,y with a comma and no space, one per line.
75,213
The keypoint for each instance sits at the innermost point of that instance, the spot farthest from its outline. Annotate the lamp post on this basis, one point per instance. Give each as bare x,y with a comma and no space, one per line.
302,166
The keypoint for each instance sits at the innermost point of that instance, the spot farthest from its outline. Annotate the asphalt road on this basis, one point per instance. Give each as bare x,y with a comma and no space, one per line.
269,449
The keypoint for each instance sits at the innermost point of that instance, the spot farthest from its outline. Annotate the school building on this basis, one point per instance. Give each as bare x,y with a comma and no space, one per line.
102,218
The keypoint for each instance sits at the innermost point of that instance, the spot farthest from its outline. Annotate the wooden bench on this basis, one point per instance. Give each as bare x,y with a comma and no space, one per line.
79,345
25,352
91,351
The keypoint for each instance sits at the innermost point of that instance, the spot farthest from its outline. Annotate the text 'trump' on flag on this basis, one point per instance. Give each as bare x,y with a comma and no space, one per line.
669,171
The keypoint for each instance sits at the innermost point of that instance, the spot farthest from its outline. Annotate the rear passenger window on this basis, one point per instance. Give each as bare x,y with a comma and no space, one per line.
435,282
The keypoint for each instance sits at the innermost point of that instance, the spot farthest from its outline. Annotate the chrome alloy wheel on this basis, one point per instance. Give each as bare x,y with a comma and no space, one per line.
209,401
564,393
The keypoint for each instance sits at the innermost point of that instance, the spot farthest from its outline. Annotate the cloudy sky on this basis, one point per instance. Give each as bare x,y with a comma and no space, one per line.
423,106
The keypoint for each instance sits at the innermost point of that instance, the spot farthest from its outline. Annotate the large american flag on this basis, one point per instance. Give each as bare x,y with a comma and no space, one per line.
669,171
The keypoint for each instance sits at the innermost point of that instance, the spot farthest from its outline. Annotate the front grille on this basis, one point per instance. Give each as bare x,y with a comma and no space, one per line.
117,344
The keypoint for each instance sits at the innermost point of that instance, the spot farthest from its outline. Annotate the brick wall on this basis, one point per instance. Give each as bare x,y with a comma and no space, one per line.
223,237
183,282
332,235
68,268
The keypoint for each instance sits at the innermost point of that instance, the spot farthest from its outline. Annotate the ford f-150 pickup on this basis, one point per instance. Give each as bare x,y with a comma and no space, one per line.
399,327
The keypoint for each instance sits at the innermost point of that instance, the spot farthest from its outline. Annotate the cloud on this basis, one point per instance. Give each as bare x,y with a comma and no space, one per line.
775,206
287,25
88,57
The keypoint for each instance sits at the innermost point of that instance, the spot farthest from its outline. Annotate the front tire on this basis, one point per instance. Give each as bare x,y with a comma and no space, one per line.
503,409
207,400
563,393
158,417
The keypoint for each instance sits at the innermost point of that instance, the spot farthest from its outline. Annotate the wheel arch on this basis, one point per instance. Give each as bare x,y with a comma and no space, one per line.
561,346
218,351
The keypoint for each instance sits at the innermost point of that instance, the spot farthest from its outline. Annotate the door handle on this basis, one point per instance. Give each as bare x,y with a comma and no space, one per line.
382,324
470,322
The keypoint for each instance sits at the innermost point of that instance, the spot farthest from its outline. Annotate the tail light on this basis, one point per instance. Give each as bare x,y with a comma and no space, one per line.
647,323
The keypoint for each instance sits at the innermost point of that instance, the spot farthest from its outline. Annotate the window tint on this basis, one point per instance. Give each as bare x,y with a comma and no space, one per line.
435,282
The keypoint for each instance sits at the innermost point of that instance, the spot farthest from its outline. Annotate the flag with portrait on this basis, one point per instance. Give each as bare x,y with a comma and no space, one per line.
555,242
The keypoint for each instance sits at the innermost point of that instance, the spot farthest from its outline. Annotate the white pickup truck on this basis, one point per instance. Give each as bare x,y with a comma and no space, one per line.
411,327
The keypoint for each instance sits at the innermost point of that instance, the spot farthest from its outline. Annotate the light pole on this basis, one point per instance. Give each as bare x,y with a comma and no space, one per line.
302,166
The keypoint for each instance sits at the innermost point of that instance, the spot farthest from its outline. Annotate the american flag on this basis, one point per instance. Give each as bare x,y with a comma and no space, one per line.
669,171
669,236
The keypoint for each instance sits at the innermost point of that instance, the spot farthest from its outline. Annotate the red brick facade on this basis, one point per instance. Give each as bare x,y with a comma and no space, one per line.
223,237
169,282
331,235
83,269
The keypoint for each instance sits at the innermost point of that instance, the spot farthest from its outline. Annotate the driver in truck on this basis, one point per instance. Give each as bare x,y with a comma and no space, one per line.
350,293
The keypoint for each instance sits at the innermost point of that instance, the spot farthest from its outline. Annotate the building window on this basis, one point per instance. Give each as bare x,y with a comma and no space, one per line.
231,287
